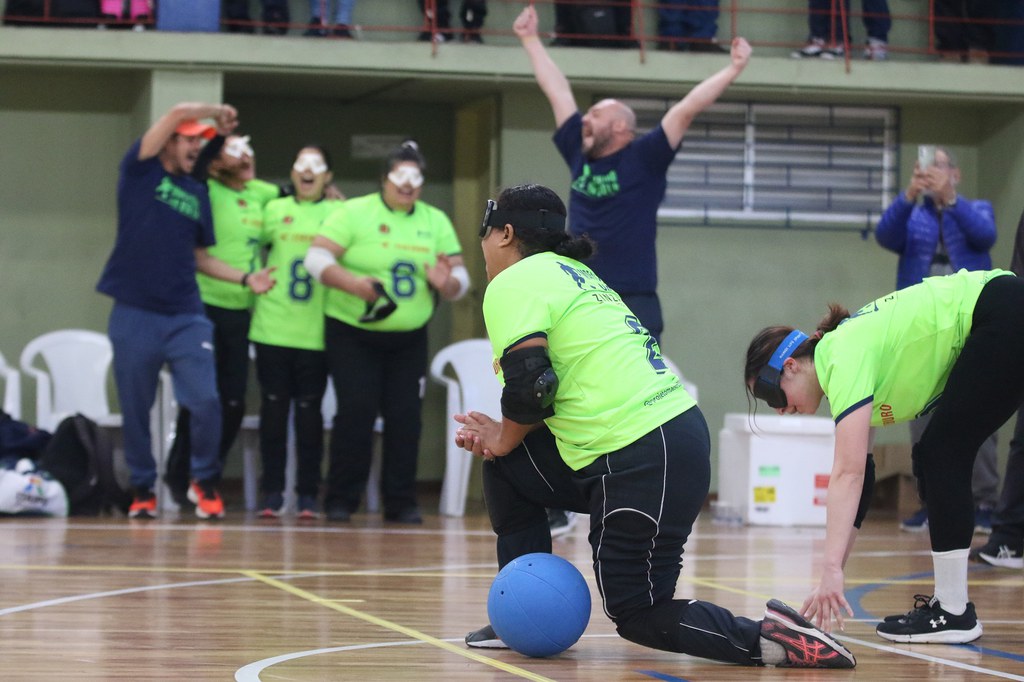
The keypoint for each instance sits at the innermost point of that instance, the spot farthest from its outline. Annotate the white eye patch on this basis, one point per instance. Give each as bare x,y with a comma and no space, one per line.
406,175
310,161
237,147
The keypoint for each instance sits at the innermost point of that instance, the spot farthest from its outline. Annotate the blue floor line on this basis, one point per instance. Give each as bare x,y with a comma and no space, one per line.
662,676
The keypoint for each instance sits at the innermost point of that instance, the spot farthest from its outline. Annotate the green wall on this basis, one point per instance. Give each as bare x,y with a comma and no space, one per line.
69,109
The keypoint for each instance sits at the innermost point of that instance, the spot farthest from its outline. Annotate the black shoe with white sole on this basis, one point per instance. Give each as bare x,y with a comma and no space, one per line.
929,623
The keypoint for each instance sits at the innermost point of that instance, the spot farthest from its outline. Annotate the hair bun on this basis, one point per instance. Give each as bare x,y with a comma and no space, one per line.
410,144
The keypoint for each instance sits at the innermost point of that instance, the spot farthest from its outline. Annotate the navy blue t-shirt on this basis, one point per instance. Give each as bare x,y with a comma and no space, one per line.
161,220
615,200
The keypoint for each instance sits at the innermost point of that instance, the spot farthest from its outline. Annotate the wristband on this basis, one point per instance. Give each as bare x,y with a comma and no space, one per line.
245,280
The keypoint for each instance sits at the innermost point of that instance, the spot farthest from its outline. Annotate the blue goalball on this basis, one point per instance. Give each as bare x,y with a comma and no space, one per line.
539,605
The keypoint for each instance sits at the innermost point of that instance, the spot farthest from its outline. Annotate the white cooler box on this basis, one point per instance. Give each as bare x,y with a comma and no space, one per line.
774,470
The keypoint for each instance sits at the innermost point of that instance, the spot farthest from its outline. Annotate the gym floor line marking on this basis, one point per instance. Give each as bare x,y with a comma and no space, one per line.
389,625
114,593
251,671
933,659
662,676
424,639
59,601
198,526
415,572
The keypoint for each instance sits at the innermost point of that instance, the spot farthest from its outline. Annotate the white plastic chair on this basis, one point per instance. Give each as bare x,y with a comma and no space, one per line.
690,387
70,369
72,378
474,387
12,389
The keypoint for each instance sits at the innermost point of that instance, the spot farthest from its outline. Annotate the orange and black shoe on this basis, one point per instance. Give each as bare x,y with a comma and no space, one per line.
788,640
143,505
204,495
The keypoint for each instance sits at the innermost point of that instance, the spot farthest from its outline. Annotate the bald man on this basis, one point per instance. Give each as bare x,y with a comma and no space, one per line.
618,177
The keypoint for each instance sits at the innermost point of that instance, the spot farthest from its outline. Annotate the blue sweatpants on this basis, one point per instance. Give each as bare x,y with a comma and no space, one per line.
143,342
688,19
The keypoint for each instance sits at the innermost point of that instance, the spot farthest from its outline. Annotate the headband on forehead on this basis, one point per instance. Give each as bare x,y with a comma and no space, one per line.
786,348
541,219
768,384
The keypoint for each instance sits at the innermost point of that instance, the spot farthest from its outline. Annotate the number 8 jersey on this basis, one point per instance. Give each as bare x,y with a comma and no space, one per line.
291,314
394,247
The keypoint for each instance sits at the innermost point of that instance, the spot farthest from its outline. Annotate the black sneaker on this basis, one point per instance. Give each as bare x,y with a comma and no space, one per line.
337,512
485,638
307,508
273,506
316,29
409,515
998,552
929,623
788,640
817,48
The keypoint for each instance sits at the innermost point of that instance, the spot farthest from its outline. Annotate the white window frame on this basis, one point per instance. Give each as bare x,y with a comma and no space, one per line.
826,153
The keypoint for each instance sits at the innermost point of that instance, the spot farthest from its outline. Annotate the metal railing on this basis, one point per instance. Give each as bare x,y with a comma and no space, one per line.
1000,38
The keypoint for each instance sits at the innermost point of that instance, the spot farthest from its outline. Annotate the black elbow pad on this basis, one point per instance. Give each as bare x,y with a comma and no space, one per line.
866,491
530,385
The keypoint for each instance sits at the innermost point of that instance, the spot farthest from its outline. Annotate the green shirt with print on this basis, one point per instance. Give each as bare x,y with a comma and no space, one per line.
394,247
897,352
613,386
291,314
237,223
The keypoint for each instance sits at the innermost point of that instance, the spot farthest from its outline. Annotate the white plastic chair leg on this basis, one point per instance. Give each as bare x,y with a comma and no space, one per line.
373,481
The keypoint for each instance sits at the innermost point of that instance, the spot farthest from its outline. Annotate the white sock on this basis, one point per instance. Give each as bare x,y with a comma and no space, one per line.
951,579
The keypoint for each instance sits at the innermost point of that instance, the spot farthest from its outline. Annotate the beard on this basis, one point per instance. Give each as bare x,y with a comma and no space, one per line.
599,144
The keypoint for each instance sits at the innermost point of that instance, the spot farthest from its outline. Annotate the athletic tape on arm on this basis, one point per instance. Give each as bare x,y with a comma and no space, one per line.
461,275
317,260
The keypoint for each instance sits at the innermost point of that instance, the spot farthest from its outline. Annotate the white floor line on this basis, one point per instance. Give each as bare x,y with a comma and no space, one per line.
932,659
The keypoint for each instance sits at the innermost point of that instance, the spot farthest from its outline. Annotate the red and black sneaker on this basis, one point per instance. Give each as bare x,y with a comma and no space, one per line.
143,505
788,640
204,495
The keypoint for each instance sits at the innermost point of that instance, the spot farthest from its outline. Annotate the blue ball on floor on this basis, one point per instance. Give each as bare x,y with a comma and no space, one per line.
539,605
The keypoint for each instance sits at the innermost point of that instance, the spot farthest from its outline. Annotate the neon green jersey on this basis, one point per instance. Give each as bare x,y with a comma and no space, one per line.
613,386
237,221
897,352
292,313
394,247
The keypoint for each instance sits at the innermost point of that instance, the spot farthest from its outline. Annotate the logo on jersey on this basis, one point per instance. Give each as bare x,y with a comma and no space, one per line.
177,199
384,229
242,203
288,220
596,186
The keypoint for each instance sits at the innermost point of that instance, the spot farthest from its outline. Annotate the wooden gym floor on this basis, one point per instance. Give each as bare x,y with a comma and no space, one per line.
247,600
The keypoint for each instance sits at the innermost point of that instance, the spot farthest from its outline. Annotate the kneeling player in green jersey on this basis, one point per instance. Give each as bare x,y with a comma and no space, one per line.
949,346
594,421
288,331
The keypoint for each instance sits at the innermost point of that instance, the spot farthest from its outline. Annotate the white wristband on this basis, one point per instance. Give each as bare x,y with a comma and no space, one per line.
317,260
460,275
